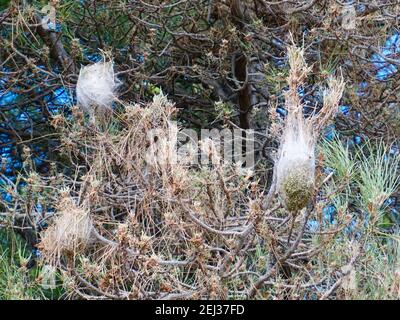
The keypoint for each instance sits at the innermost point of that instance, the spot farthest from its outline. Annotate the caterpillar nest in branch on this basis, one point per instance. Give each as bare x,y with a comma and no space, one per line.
96,90
295,167
69,233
